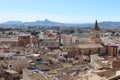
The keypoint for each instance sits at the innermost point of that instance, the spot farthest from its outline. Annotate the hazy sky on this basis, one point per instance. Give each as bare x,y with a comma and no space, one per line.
70,11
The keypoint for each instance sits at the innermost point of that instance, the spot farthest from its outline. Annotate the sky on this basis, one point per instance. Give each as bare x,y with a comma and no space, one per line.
65,11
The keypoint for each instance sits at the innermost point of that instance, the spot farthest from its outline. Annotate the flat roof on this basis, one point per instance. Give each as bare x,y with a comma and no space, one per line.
116,77
33,75
24,35
11,71
8,39
90,46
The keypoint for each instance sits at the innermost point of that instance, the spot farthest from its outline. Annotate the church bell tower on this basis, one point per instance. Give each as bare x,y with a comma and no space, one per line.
96,34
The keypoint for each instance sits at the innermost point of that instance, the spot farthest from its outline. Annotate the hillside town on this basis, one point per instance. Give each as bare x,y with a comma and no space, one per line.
53,55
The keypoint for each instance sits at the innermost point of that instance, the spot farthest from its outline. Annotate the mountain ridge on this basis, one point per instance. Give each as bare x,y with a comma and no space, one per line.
47,22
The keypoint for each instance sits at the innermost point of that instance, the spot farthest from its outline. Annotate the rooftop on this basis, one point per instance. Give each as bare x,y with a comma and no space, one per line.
36,75
11,71
24,35
90,46
8,39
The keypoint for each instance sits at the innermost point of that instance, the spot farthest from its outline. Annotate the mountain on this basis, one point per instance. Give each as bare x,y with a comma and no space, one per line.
13,23
48,23
109,24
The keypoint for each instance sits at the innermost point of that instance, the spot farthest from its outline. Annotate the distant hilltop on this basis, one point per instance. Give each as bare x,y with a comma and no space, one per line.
48,23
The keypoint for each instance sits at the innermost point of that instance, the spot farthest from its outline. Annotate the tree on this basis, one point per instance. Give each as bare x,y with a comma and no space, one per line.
3,32
34,32
72,31
10,33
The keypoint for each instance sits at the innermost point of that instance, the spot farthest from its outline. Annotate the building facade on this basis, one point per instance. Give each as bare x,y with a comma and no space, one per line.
24,39
35,39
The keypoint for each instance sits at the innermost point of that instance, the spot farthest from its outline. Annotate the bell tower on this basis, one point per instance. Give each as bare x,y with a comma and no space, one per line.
96,34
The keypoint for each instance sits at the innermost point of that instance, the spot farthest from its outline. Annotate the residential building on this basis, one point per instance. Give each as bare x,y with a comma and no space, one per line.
24,39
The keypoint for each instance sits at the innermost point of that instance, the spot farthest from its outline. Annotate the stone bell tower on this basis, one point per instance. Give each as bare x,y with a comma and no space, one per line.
96,34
